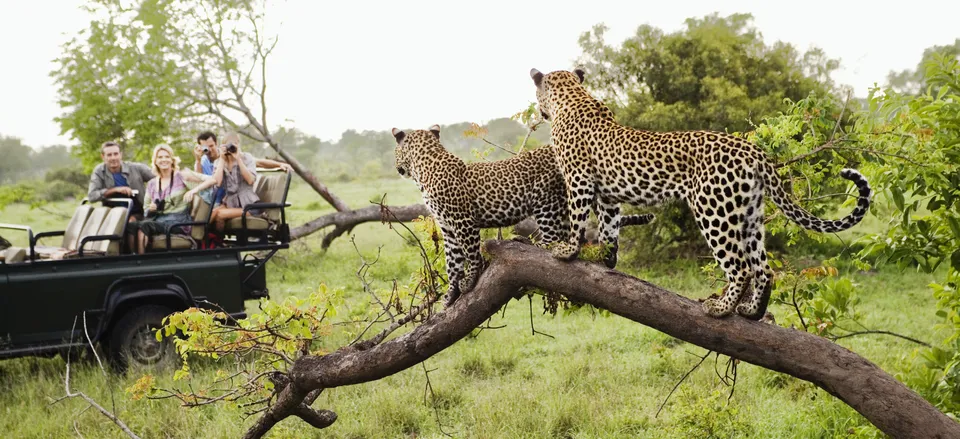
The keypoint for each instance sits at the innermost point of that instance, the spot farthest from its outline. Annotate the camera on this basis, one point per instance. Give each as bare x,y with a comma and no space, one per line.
159,203
231,148
205,149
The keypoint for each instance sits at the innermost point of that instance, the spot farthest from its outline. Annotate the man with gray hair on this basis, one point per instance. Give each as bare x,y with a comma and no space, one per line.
115,178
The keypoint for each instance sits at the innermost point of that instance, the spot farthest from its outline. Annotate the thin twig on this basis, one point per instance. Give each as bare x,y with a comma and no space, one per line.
498,146
684,377
428,388
855,333
533,330
70,394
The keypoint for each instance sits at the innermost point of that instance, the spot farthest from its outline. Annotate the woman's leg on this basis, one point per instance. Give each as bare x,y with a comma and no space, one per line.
221,215
141,242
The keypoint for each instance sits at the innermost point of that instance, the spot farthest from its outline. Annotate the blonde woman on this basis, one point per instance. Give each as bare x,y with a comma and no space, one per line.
167,198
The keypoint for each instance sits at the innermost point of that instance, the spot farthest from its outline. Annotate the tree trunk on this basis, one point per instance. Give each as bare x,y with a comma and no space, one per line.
888,404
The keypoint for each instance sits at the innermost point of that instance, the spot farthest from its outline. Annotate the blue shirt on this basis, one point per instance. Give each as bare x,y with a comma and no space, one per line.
119,180
206,166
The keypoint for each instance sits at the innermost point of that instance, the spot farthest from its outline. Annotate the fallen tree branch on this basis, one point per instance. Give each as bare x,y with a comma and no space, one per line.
888,404
345,221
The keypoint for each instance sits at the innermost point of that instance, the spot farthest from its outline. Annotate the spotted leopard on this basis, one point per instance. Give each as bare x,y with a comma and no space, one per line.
721,177
466,197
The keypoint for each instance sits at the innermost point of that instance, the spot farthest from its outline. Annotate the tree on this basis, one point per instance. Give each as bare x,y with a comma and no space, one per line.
887,403
118,82
16,159
915,82
717,74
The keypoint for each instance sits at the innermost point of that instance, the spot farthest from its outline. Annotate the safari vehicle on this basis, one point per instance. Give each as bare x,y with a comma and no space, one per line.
52,299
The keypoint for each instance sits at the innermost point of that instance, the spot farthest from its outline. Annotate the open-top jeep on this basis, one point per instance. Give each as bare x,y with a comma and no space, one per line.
86,291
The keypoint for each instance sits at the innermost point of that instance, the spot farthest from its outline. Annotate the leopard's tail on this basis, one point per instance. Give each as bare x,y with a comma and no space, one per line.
805,219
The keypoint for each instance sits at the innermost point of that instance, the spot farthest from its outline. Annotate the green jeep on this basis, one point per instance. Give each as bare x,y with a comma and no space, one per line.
54,298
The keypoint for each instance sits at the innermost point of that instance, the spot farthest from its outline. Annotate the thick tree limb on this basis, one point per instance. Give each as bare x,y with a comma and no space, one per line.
344,221
884,401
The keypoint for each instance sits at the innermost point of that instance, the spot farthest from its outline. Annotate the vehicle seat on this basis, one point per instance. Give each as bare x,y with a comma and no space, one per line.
200,212
271,187
90,228
13,255
71,235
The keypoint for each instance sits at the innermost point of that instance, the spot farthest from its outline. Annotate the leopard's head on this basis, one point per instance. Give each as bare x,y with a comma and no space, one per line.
553,87
412,147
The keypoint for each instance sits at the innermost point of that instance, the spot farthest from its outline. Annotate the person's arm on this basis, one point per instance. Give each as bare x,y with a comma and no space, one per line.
198,159
273,164
146,173
96,191
150,194
249,175
218,171
204,180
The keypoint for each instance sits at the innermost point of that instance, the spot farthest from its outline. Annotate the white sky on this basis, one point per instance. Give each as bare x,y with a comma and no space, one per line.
370,65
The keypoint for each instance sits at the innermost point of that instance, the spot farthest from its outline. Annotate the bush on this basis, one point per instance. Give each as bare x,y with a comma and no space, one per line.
73,175
59,190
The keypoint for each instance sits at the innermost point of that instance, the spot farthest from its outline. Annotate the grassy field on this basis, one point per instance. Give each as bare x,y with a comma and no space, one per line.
597,377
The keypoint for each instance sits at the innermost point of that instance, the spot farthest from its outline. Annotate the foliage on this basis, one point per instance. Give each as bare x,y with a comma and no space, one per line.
716,74
118,81
914,82
22,162
925,231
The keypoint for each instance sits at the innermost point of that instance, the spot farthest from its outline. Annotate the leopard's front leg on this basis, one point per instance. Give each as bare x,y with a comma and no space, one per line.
580,198
454,257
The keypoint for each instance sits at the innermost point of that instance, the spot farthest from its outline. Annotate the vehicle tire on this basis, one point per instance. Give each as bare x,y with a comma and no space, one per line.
133,340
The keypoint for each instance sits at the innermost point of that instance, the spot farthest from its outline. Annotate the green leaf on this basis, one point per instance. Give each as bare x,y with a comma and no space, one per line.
897,194
955,260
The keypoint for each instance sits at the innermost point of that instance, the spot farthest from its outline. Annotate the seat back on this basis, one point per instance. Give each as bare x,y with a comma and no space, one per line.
92,226
272,188
199,211
13,255
113,224
71,235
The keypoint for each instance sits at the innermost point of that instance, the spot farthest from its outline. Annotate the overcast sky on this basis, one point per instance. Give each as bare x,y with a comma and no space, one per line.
374,65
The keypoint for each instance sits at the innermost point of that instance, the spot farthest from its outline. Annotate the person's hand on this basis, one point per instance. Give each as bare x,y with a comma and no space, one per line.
152,207
123,190
286,167
197,152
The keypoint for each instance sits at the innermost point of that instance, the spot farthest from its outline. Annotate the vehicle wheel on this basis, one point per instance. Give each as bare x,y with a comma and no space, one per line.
133,340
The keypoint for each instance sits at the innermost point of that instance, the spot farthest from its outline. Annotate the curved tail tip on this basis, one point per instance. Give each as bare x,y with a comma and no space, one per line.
850,174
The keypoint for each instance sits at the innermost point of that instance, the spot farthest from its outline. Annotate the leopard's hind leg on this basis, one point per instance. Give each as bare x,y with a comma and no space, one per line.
721,222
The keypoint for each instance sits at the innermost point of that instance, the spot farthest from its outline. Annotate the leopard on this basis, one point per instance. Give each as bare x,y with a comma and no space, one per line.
466,197
720,176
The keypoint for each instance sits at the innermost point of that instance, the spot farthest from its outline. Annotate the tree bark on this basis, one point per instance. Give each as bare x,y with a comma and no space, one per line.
888,404
344,221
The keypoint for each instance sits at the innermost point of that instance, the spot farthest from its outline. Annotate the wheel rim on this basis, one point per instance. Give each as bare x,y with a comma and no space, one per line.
144,347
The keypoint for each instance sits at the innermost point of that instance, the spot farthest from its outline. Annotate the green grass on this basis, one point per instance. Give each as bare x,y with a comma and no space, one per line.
597,377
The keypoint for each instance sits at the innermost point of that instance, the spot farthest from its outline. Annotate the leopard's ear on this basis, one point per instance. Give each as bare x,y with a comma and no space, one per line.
537,76
397,134
435,129
579,72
